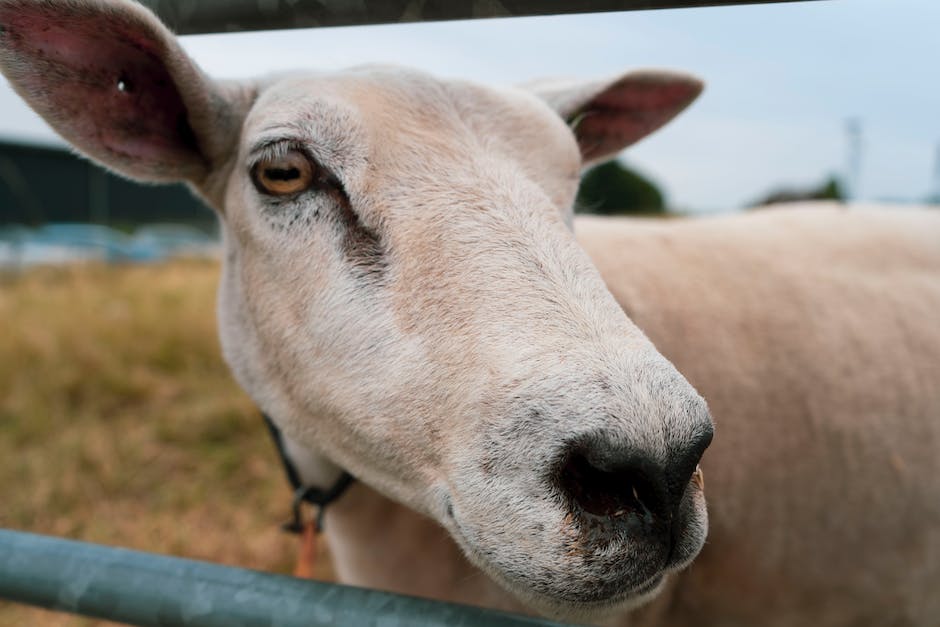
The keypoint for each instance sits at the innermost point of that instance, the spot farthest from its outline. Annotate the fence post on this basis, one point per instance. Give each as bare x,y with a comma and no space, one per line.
158,590
209,16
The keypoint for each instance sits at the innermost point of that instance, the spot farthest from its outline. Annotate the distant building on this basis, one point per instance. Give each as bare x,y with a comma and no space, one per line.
44,184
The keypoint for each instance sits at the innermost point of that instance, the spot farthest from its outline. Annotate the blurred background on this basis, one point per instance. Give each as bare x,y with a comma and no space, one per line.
118,421
832,99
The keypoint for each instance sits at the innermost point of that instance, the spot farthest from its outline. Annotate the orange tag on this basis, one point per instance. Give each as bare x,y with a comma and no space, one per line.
307,560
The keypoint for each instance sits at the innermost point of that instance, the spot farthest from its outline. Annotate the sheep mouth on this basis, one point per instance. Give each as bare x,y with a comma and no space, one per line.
582,593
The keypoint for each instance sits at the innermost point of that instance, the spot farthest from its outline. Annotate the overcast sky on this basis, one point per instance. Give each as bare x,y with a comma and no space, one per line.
782,80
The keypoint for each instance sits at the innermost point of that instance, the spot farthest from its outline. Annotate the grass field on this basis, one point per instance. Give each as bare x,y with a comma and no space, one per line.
120,424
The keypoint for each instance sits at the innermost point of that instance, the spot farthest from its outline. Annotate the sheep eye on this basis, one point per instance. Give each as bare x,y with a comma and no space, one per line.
281,176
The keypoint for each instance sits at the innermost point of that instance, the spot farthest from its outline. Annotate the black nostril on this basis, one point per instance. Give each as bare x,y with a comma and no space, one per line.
608,492
687,459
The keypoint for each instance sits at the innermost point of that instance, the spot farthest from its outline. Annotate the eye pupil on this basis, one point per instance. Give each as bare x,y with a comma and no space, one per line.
282,174
286,174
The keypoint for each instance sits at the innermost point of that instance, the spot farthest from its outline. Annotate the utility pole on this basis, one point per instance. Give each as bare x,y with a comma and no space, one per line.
853,158
934,196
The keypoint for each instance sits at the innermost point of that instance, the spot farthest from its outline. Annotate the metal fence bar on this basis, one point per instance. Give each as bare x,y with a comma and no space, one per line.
206,16
148,589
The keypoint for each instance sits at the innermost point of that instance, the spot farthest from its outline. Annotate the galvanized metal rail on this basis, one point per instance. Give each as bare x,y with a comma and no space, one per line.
207,16
147,589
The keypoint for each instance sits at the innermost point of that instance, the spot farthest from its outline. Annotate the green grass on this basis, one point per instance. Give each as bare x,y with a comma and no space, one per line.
120,424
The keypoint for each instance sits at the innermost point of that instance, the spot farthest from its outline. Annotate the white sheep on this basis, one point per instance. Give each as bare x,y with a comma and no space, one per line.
403,293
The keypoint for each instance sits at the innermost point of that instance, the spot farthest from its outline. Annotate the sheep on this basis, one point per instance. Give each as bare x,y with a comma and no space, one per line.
407,293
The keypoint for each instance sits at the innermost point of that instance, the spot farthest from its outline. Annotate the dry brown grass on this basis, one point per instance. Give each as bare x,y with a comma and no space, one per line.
120,424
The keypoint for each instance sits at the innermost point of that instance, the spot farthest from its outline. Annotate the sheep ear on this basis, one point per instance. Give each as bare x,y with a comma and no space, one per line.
114,82
607,116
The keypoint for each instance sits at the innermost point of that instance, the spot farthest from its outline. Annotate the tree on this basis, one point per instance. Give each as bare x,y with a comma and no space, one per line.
831,189
611,189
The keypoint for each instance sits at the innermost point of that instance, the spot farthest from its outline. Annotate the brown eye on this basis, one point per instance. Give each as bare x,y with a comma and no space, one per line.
288,174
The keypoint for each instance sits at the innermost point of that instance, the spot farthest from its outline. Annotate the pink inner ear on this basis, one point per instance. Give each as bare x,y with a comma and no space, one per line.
630,110
100,81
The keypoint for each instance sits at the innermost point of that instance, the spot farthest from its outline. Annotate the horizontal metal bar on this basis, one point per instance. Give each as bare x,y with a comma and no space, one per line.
206,16
147,589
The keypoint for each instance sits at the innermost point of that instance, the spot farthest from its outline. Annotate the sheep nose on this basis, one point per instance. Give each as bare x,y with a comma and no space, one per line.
617,483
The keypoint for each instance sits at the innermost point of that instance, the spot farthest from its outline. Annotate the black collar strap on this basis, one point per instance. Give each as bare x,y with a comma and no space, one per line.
317,497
